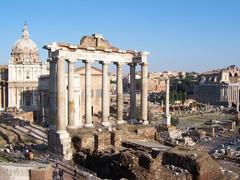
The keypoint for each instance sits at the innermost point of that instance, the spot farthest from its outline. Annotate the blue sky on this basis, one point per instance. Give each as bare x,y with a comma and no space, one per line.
186,35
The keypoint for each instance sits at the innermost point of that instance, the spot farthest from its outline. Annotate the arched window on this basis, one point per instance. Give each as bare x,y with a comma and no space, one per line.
203,79
209,79
27,75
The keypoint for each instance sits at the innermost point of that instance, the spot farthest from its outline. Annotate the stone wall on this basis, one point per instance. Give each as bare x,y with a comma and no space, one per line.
26,116
41,173
127,164
105,140
147,133
209,93
25,171
197,161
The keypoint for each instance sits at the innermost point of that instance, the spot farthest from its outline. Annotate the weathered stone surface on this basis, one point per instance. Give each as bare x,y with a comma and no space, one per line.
197,161
167,133
127,164
41,173
102,140
106,140
97,41
146,133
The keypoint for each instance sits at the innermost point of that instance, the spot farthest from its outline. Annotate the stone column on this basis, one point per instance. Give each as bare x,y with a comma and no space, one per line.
133,113
1,95
119,94
41,95
61,104
105,94
167,118
52,94
5,95
237,99
78,106
71,96
144,94
88,94
33,97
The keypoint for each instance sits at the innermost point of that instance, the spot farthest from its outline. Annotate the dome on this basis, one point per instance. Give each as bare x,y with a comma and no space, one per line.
25,49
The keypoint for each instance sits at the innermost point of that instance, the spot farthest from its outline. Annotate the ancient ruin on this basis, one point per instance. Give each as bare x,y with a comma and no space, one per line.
91,48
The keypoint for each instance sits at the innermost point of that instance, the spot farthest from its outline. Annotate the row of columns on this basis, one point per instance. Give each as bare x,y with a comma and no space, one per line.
57,81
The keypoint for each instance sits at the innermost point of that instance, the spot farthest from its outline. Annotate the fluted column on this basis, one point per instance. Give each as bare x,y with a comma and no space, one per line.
119,94
105,94
61,104
52,94
167,118
88,94
71,103
133,113
144,94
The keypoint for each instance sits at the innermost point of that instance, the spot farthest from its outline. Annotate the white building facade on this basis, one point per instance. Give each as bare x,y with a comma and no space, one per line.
24,70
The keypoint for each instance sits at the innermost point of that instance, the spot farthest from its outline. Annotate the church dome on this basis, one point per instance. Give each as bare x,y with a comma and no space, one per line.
25,50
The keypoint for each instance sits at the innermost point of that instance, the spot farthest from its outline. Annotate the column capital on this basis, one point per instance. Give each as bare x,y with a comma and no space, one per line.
104,62
132,64
87,61
144,63
59,58
52,60
119,63
71,60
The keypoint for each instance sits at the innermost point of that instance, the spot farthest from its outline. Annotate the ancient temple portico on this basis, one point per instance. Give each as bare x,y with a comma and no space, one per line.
91,49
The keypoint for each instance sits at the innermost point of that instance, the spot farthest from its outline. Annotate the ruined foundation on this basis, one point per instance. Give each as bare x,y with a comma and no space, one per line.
60,143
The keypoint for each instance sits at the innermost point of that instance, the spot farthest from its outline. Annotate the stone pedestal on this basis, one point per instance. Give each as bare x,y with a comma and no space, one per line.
59,142
167,120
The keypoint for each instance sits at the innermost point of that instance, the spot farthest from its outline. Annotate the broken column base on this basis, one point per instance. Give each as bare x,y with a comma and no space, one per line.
59,143
145,122
168,132
166,120
121,122
106,123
